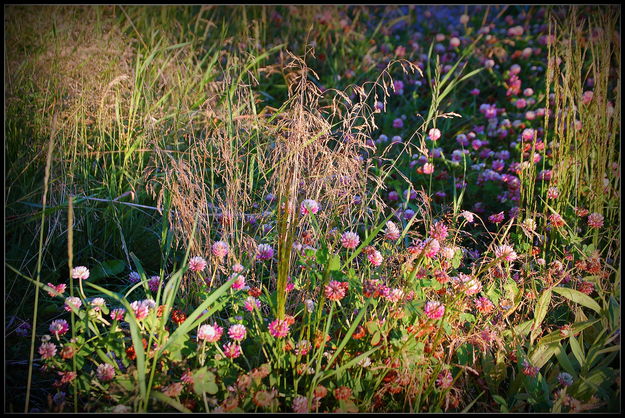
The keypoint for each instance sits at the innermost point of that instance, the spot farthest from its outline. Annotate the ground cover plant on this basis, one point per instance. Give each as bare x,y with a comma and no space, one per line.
312,209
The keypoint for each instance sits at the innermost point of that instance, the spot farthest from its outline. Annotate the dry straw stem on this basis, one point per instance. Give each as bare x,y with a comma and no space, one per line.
71,51
233,155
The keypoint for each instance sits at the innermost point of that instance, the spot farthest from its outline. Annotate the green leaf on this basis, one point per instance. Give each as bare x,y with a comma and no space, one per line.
107,269
511,289
372,326
501,401
565,362
523,328
469,406
204,382
557,335
577,350
159,396
349,364
351,330
457,260
135,335
543,353
614,312
578,297
377,336
540,312
465,354
335,262
494,372
322,256
189,323
465,316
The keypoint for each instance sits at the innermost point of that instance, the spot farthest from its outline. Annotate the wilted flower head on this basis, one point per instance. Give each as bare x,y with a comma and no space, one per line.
300,405
472,286
392,233
529,370
484,305
530,224
595,220
565,379
467,215
105,372
47,350
556,220
303,347
445,379
310,305
173,390
264,398
342,393
496,218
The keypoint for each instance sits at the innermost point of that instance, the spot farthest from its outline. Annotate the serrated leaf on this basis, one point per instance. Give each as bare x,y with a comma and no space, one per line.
578,297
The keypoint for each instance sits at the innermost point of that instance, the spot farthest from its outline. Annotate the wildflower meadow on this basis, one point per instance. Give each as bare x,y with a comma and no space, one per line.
310,209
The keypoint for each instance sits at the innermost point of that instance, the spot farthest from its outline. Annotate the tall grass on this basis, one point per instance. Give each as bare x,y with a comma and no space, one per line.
585,135
178,123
